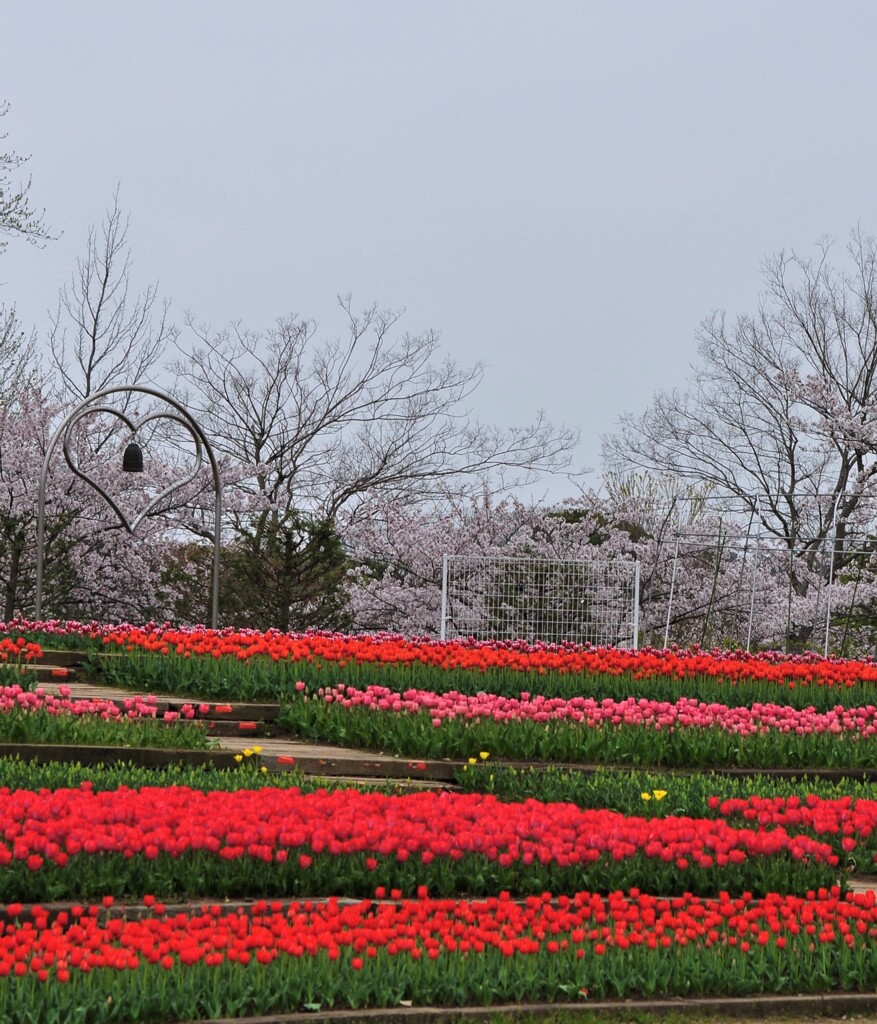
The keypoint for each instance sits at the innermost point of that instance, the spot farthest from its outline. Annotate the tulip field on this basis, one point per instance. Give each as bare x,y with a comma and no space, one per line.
624,825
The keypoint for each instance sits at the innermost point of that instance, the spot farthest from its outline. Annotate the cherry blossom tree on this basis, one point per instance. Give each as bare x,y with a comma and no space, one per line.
375,412
104,334
93,568
397,548
705,577
18,219
19,362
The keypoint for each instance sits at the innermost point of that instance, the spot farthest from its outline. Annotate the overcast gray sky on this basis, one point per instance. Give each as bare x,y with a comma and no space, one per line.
563,190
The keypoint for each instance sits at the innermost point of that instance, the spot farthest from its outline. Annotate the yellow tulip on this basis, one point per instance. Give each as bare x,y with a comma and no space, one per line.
646,796
659,793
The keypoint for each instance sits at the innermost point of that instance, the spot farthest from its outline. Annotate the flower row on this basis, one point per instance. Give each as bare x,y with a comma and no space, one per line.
484,655
684,734
641,712
92,937
267,822
38,717
283,841
454,952
386,648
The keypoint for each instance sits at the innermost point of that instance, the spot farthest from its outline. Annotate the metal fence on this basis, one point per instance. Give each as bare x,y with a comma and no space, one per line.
717,588
541,599
723,577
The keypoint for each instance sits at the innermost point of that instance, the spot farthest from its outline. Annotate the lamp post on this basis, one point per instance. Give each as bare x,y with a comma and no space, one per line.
132,462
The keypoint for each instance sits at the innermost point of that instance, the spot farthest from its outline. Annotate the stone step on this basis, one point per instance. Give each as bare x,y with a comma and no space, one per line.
61,658
45,673
220,712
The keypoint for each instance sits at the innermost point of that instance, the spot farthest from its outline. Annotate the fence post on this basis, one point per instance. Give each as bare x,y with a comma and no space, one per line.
636,606
754,574
743,566
789,598
444,596
752,594
719,551
672,586
831,573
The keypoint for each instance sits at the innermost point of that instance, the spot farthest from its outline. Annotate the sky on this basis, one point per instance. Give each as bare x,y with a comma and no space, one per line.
563,190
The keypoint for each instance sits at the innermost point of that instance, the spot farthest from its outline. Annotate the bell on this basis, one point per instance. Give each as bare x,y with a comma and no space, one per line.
132,460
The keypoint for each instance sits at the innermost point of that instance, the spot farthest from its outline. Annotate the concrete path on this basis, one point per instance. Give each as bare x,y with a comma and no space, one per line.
314,758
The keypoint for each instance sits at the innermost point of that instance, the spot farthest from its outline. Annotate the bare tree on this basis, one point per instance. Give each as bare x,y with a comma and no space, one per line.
325,423
101,335
316,427
781,412
17,216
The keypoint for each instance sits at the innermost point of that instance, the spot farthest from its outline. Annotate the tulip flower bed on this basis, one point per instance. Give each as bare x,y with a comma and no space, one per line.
180,841
847,823
248,665
421,724
482,656
824,810
216,963
33,716
665,884
449,952
18,649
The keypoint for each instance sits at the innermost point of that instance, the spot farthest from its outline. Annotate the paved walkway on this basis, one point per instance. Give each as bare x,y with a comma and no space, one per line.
314,758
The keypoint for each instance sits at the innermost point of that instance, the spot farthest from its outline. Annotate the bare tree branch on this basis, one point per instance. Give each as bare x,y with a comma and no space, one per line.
781,412
324,423
100,335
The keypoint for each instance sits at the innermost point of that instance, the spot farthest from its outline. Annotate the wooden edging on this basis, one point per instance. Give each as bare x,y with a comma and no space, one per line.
152,757
828,774
341,765
747,1007
61,658
363,768
344,763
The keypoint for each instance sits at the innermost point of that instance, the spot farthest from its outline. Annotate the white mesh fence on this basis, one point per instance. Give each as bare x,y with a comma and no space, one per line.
492,598
753,592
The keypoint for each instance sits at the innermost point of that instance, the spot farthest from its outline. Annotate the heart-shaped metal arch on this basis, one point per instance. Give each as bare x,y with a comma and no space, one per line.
133,426
185,418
